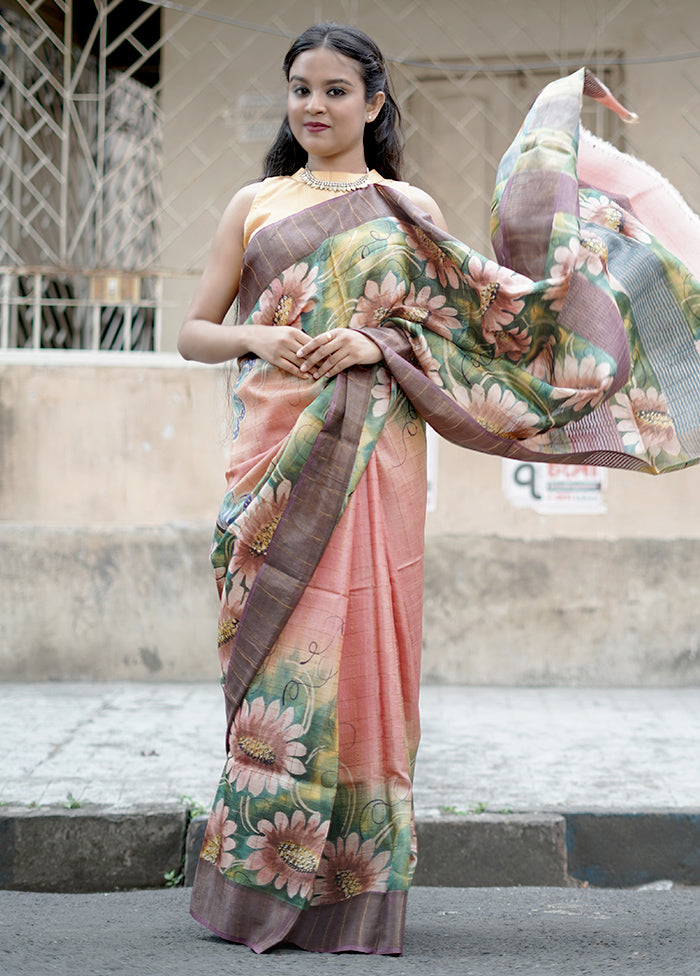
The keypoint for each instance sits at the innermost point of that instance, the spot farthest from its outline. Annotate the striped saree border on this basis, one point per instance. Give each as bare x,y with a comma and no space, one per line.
372,922
277,246
301,536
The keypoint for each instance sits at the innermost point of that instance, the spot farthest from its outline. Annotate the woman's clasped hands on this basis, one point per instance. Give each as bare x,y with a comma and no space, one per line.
324,355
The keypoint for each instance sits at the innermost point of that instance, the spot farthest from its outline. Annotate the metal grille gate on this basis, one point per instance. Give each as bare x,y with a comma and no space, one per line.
79,186
126,125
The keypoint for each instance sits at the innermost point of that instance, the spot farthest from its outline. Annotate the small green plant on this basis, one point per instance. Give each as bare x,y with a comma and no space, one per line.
453,810
476,808
173,879
196,809
70,802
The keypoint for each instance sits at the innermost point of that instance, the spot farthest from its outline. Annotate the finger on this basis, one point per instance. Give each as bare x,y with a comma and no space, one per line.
333,365
290,367
319,342
286,359
321,353
311,346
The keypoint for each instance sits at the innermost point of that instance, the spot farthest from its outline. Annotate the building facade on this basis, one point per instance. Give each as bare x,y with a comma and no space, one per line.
124,130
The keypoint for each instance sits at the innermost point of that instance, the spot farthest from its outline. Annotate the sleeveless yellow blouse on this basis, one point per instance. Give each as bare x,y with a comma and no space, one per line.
282,196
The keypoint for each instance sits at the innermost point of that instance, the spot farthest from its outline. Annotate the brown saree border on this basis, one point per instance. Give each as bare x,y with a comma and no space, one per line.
277,246
301,536
372,922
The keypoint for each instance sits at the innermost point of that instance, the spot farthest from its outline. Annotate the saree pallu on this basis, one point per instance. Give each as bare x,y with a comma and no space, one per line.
582,344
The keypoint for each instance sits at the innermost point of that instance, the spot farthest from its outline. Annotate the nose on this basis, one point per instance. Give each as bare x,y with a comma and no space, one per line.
315,103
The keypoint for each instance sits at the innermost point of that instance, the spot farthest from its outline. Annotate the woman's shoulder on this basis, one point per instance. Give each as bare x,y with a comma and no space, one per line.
422,200
251,198
243,199
240,203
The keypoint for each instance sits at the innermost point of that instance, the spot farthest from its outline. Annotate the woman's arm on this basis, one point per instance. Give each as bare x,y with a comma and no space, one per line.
202,336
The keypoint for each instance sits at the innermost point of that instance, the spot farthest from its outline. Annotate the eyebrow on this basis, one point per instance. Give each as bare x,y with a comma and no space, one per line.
331,81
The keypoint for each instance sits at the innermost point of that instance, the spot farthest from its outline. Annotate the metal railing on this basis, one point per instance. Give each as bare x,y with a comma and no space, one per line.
44,309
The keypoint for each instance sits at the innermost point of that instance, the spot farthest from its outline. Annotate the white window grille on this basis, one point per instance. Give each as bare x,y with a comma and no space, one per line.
47,310
79,182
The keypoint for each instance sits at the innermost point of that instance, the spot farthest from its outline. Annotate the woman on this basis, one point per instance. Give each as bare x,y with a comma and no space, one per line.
358,316
352,651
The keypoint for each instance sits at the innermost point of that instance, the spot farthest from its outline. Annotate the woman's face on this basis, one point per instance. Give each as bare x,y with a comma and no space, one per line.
327,110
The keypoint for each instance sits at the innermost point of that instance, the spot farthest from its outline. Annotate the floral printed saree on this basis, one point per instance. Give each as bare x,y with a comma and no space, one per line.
583,343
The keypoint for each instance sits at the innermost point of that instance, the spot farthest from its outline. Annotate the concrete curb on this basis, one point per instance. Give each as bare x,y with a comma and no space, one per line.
489,850
90,848
616,850
97,848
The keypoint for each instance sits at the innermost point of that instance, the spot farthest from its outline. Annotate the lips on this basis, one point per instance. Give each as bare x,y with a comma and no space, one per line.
315,126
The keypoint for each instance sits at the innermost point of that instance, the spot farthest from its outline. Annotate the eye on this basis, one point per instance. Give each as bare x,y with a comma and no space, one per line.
300,90
336,92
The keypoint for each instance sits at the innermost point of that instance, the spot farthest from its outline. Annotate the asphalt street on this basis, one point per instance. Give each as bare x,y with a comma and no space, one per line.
470,932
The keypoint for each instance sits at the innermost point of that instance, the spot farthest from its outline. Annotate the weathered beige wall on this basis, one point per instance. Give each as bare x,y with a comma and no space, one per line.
106,602
112,471
562,611
116,439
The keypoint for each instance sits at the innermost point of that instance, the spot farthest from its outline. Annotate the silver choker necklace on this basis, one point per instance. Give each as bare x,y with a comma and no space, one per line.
335,185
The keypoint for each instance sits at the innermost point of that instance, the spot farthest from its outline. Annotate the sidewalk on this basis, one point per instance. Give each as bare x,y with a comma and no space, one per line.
513,786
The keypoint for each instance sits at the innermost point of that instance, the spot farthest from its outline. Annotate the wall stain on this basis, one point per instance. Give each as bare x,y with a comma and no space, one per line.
151,659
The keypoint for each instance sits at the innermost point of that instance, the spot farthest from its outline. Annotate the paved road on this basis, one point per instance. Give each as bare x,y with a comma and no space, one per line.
466,932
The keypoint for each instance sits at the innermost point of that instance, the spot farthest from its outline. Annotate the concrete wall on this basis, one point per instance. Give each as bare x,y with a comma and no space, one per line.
112,472
106,602
562,611
109,438
139,603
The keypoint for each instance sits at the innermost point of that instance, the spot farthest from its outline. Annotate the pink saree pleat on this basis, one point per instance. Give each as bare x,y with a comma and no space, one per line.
352,648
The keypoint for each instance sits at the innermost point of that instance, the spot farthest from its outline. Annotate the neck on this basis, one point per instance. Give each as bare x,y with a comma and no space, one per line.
352,164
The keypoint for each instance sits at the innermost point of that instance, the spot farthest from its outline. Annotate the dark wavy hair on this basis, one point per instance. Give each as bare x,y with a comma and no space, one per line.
383,140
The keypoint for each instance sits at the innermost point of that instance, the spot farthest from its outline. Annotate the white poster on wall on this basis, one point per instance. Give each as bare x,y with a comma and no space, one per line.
551,489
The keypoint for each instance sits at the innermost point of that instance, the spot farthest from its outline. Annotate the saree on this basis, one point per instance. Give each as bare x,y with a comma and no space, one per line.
582,342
